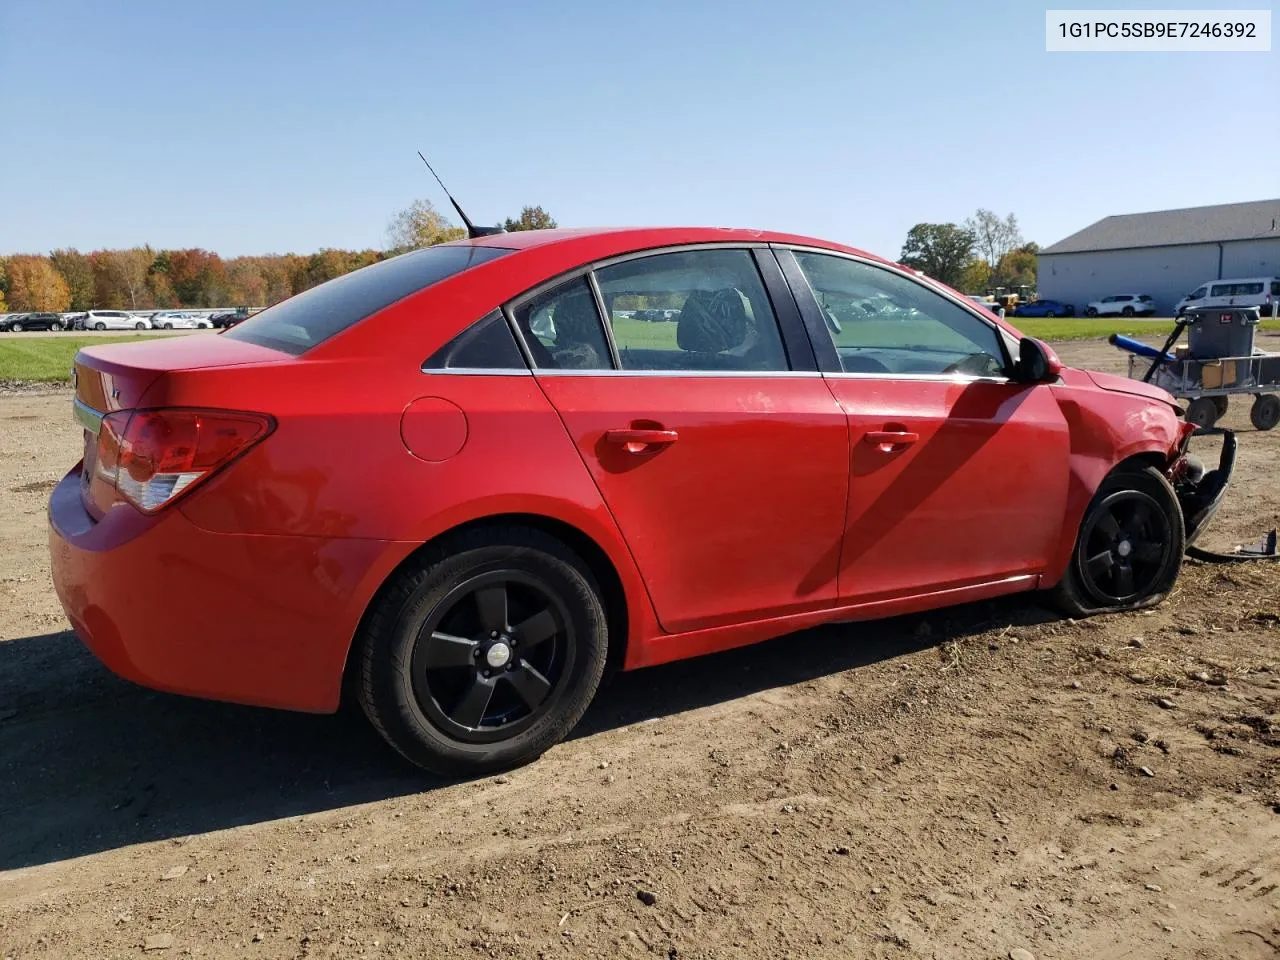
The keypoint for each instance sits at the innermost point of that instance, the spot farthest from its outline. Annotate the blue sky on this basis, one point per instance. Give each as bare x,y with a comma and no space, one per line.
257,127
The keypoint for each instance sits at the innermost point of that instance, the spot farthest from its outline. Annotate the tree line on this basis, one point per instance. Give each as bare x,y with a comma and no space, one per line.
141,278
984,254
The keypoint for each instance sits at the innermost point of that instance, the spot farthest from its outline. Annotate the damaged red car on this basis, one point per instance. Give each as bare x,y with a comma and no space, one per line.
471,478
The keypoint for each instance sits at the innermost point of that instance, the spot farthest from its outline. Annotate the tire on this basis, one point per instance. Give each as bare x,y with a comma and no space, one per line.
15,327
428,711
1149,539
139,326
1222,404
1090,312
1051,315
1265,413
1203,412
1127,311
55,327
99,325
168,326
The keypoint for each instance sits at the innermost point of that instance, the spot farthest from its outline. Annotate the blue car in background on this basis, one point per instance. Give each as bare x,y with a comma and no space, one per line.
1045,308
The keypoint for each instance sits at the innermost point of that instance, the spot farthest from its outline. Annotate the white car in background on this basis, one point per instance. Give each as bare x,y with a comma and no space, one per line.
179,320
1124,304
114,320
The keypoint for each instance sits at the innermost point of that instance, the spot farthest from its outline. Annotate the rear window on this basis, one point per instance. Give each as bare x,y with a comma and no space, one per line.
313,316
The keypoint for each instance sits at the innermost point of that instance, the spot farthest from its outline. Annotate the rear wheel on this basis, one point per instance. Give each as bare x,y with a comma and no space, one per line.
1091,312
139,325
1265,413
1050,314
1203,412
15,327
1127,311
99,325
168,326
1221,404
55,327
484,653
1129,548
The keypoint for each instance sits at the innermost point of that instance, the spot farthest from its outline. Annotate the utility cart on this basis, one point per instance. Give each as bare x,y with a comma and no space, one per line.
1218,362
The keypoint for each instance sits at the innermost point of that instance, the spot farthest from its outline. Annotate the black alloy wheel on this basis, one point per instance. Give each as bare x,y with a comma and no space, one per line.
483,651
1126,543
1127,311
492,656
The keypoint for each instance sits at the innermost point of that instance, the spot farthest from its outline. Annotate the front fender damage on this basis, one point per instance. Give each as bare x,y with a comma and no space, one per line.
1201,493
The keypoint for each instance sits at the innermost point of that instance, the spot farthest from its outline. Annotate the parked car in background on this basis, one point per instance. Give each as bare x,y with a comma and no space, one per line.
1045,308
1123,304
34,321
114,320
1260,292
229,318
178,320
991,305
73,321
472,580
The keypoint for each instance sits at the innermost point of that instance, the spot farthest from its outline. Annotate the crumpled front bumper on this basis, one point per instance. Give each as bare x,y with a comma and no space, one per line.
1201,497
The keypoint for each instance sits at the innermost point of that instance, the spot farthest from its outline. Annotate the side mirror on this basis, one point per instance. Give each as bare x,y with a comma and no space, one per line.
1037,363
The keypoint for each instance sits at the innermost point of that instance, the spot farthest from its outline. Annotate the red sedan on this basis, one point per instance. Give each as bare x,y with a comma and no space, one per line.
474,476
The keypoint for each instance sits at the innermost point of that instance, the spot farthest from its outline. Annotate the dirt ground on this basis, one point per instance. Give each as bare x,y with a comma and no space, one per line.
967,784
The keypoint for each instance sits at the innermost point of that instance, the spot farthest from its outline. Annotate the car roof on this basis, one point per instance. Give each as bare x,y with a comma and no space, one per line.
639,238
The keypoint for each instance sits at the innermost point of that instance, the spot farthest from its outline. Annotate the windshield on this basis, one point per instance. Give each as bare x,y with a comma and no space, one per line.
299,323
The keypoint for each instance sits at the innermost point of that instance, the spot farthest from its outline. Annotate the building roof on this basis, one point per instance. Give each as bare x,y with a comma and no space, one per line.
1167,228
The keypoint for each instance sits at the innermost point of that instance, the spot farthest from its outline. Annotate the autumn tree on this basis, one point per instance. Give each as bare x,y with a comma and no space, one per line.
531,218
34,285
976,277
1018,268
120,277
421,225
993,236
77,271
247,282
199,277
940,250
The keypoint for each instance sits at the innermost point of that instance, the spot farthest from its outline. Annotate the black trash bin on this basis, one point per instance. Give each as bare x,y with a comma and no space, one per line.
1216,332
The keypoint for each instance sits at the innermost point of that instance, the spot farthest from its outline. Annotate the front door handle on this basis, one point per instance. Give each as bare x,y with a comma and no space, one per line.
637,440
887,439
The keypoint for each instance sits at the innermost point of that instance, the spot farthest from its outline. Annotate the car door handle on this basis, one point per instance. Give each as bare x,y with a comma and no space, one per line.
890,438
636,440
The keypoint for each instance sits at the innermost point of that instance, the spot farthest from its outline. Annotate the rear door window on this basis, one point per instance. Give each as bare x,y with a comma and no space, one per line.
301,322
692,310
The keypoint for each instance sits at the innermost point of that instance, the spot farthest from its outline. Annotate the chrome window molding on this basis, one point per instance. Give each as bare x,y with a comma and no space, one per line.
480,371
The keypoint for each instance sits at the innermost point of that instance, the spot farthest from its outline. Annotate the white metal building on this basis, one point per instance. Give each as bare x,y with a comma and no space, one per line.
1165,254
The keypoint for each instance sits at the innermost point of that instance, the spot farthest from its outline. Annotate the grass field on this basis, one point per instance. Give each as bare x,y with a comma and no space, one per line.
48,359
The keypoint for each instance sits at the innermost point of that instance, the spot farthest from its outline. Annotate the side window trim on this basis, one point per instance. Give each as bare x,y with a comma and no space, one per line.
615,361
796,341
815,326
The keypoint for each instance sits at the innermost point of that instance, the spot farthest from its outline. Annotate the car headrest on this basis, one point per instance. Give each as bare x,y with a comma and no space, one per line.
712,321
576,320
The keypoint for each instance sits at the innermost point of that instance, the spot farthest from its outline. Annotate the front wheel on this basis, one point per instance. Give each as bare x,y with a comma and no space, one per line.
1203,412
1129,549
1090,312
15,327
168,326
139,326
1127,311
484,652
1050,314
99,325
55,327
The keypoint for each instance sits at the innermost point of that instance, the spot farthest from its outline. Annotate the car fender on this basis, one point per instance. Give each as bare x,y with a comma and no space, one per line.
1105,428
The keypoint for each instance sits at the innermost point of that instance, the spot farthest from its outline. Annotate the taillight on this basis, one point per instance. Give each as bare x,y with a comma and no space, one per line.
152,457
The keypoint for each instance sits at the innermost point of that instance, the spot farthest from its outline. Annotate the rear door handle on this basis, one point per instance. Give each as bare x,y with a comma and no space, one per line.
635,440
890,438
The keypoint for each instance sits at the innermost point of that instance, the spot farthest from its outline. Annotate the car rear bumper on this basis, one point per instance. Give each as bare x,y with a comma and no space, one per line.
263,620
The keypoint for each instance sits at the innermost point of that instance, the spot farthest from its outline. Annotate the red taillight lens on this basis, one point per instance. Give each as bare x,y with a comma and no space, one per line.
152,457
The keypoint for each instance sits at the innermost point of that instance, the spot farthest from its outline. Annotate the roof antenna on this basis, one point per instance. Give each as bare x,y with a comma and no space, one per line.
472,230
